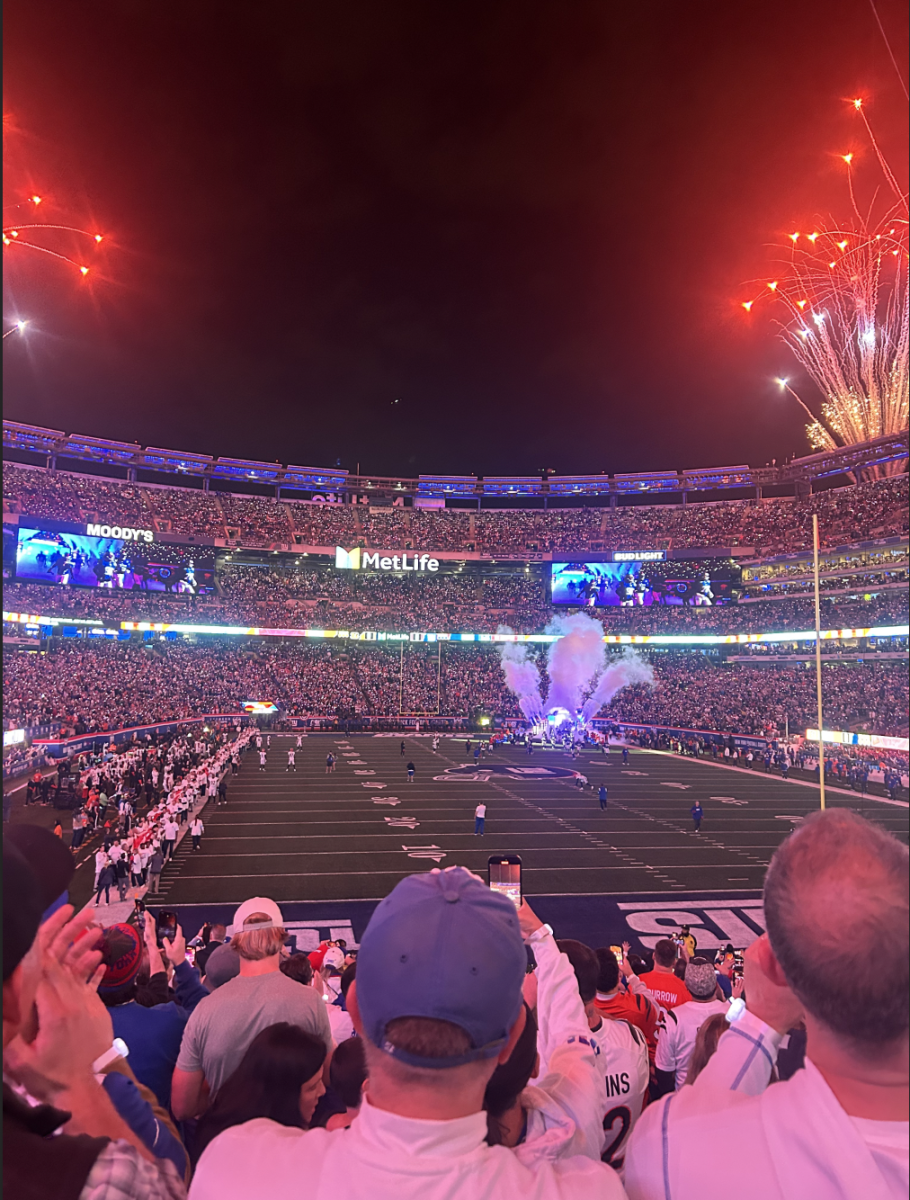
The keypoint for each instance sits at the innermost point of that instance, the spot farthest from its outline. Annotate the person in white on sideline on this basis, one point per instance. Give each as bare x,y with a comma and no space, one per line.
676,1040
437,1000
292,760
837,911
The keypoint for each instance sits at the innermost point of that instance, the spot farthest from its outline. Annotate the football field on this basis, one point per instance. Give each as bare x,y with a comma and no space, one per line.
305,835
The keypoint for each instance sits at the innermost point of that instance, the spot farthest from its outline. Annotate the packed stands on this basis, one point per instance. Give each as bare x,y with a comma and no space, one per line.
257,596
866,510
108,686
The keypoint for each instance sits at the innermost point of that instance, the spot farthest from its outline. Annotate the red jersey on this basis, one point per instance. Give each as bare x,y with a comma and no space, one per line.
639,1011
666,989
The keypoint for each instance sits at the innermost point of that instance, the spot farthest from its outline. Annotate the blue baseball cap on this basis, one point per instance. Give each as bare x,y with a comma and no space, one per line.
442,945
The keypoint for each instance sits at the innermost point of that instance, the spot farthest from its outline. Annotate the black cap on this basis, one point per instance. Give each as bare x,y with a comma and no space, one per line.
37,868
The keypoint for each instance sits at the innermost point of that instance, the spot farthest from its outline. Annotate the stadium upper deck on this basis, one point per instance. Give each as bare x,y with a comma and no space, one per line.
604,513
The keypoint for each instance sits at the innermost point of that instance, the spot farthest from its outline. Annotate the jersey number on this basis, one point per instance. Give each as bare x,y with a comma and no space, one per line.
621,1114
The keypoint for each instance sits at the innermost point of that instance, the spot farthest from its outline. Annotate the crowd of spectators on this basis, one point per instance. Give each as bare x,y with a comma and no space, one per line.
312,598
465,1048
692,693
865,510
90,687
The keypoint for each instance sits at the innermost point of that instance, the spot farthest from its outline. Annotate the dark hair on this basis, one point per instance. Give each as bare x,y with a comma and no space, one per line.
836,910
510,1078
297,967
665,953
277,1063
347,978
607,969
348,1070
679,969
428,1037
123,995
636,962
584,964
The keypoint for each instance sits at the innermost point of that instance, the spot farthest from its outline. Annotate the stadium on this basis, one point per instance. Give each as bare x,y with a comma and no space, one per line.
355,610
503,832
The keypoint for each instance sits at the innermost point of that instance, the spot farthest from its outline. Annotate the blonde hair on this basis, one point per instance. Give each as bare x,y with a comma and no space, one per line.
256,944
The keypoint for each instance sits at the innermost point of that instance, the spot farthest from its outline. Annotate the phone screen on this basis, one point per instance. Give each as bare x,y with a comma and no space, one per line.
505,877
617,953
166,923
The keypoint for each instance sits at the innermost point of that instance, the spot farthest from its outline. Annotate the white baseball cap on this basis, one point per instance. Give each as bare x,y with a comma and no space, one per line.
258,904
334,957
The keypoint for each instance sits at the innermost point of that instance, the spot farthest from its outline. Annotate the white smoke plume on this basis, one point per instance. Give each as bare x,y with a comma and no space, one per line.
522,676
574,660
625,669
577,666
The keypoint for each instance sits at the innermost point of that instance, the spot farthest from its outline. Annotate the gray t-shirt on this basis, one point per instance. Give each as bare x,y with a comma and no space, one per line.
222,1025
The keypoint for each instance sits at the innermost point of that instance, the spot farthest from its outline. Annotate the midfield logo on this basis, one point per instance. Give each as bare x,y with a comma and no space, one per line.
482,773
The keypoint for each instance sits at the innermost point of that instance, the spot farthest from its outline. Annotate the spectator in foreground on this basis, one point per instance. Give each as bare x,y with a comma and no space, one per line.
676,1040
437,1000
623,1057
706,1042
56,1036
279,1077
838,915
152,1032
347,1076
217,935
560,1115
662,982
224,1024
617,1004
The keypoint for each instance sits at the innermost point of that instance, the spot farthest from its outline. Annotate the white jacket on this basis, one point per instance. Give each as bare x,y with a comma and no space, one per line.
793,1141
386,1157
566,1106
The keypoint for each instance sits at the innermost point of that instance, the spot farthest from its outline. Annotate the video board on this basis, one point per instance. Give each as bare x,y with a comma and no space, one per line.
80,560
634,583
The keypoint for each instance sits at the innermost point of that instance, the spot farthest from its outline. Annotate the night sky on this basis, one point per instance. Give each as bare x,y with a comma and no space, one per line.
429,237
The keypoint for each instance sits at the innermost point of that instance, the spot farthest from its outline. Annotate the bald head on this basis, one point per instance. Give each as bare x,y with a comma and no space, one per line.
837,909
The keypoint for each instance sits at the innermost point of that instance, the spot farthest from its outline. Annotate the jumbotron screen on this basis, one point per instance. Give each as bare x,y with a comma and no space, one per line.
700,583
78,560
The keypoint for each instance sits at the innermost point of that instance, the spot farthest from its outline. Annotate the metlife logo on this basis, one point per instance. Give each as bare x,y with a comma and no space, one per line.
363,560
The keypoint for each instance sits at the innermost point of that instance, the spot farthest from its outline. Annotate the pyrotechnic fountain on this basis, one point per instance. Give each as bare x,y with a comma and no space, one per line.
582,680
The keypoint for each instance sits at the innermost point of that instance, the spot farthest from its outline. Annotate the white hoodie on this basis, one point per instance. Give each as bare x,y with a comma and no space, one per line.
565,1107
793,1140
383,1156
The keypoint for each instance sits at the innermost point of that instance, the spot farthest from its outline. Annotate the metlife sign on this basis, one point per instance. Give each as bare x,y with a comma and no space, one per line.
363,560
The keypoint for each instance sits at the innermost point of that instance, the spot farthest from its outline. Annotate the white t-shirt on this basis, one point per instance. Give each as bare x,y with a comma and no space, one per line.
676,1040
171,829
623,1059
480,811
197,828
887,1142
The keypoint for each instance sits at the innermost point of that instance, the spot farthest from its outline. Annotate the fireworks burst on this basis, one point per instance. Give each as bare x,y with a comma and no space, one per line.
30,234
844,289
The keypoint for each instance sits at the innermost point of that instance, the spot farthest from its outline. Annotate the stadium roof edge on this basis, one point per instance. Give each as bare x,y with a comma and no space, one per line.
54,444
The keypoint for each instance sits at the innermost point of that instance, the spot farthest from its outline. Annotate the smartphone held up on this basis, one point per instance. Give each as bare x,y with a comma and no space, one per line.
504,876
